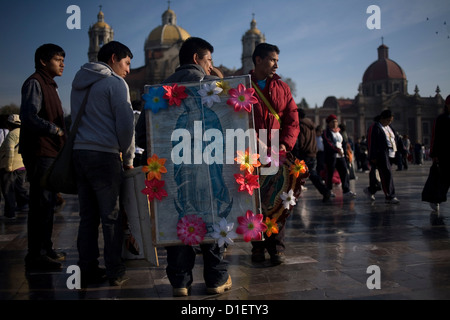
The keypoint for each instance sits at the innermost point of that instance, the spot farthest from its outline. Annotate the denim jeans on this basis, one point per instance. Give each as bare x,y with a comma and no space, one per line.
99,177
41,207
181,261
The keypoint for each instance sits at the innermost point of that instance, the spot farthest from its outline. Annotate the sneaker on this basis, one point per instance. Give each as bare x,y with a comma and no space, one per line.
326,197
350,194
434,206
118,281
369,195
59,256
277,258
181,292
220,289
394,200
332,195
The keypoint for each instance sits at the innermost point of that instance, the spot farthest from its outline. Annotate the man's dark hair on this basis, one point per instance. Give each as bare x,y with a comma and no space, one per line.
113,47
193,46
301,113
262,50
46,52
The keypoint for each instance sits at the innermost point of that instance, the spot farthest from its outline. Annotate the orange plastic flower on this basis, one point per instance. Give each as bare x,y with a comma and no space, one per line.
155,167
298,167
247,161
272,226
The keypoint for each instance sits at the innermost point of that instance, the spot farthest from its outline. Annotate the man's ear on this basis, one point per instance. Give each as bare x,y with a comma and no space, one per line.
195,58
113,59
43,63
258,60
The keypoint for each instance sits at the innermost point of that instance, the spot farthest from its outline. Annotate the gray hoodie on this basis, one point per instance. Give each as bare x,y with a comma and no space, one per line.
108,122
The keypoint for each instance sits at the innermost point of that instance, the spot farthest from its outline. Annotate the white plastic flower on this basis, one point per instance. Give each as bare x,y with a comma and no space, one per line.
288,199
223,232
210,93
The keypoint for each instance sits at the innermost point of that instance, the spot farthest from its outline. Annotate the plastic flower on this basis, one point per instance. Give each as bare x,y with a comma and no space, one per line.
242,98
272,226
298,167
247,161
155,167
209,93
154,99
251,226
288,199
191,230
276,158
248,183
154,189
223,232
175,94
225,86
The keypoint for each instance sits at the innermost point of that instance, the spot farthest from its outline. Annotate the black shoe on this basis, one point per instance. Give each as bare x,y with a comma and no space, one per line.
277,258
326,197
258,255
42,263
59,256
118,281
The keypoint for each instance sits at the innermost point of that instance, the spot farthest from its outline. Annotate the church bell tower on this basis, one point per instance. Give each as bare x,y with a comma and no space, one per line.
99,34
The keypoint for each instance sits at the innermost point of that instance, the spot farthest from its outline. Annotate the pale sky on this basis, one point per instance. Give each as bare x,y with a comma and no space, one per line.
325,45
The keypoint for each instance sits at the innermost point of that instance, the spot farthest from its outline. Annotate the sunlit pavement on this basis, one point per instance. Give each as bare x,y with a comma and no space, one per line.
344,249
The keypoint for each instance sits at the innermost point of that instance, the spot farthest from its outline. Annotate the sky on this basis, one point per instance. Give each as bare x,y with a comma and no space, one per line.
325,45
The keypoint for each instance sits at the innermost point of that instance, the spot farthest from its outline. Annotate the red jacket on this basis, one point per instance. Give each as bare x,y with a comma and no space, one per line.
279,95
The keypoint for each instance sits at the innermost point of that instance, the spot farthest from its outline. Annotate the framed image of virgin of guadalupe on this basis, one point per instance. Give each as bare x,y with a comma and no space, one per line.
201,172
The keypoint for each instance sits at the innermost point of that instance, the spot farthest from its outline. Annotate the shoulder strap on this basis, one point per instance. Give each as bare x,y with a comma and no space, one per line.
74,130
266,102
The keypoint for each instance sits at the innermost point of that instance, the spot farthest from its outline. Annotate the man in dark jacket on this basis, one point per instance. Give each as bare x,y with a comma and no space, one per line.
381,139
41,138
196,65
306,149
440,152
276,109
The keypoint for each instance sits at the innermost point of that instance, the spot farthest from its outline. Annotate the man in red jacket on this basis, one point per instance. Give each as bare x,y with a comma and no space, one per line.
276,109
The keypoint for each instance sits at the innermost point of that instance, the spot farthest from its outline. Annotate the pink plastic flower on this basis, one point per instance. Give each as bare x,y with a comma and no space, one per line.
175,94
191,230
242,98
248,183
251,226
154,189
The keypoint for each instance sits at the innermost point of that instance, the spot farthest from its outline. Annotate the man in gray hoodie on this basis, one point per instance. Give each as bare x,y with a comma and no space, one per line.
103,148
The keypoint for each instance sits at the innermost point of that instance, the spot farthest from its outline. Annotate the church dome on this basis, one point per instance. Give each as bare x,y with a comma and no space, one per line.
384,68
167,34
101,24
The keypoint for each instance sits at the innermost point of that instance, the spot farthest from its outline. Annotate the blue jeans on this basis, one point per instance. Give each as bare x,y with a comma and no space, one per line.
99,177
181,261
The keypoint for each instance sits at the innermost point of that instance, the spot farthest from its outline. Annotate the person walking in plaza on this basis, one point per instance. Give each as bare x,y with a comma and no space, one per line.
103,149
306,149
43,133
12,170
276,109
195,65
335,145
382,146
440,154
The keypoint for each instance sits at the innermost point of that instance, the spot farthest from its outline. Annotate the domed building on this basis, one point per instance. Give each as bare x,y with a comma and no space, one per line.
99,34
384,86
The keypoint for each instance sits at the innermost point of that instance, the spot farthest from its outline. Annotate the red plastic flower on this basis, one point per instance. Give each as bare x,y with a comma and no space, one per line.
247,161
175,94
248,183
155,167
191,230
242,98
154,189
298,167
272,226
251,226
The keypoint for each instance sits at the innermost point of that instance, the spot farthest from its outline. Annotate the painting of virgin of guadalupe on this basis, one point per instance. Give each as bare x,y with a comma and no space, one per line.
197,139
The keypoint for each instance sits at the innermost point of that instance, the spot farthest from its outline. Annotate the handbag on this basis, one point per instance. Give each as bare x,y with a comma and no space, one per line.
61,176
432,191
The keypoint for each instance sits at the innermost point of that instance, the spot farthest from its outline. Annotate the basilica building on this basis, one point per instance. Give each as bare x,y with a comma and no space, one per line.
384,83
384,86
